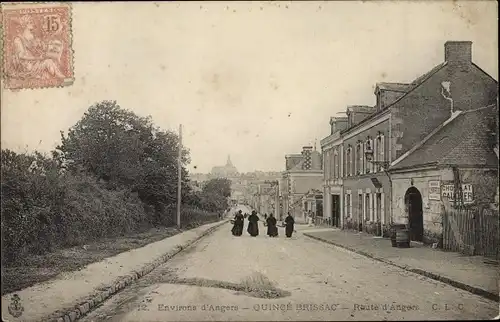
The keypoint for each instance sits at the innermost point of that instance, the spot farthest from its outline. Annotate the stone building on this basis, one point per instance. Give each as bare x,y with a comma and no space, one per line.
303,174
331,148
459,153
403,116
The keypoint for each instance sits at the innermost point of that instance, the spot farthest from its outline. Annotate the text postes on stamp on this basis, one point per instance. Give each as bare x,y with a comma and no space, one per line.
37,46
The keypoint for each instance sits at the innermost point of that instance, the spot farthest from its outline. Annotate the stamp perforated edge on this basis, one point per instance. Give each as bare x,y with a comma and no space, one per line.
67,82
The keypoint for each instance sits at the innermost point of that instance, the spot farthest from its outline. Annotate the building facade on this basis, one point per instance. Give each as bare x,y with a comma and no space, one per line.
303,174
332,152
376,137
456,164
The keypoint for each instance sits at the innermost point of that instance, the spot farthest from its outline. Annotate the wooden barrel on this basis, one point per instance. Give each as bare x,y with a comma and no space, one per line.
403,238
394,228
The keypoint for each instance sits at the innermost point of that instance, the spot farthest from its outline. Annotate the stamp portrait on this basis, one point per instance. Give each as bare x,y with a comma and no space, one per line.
37,46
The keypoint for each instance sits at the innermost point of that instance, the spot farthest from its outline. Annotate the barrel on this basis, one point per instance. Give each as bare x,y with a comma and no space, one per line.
393,229
403,238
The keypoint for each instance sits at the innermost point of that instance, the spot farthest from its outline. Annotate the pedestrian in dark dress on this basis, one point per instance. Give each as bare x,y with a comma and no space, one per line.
238,224
253,227
289,225
272,230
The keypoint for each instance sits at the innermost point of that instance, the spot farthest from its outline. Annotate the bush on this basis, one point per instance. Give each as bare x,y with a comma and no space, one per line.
114,173
193,217
44,208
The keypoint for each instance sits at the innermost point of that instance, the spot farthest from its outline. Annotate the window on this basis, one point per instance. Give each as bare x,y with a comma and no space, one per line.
344,171
362,165
380,152
336,163
359,161
332,160
382,149
325,164
349,161
326,156
369,147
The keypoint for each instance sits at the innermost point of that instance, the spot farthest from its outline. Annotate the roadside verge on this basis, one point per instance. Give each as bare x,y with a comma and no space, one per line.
73,294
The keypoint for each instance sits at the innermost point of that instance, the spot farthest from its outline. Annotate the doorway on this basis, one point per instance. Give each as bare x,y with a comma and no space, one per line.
413,203
336,211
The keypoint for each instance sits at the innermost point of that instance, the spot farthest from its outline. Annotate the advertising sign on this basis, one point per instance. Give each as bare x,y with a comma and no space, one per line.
434,190
448,191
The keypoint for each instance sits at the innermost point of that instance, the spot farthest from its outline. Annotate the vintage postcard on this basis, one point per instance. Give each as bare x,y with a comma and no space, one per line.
249,161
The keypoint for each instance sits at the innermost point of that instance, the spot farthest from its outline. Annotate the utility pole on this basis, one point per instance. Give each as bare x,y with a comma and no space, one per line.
179,183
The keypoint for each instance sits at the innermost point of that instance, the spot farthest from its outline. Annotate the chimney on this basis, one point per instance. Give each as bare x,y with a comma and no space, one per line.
458,52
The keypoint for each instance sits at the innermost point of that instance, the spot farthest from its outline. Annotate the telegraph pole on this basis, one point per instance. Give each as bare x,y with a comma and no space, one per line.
179,183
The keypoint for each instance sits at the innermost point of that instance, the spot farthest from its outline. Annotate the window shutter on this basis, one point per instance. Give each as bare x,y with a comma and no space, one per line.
351,169
336,163
382,148
362,158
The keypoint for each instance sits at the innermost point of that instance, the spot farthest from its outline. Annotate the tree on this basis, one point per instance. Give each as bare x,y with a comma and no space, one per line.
220,186
127,151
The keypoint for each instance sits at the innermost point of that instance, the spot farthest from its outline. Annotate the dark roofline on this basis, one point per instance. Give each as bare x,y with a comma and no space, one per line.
482,70
399,90
437,130
413,167
422,78
470,166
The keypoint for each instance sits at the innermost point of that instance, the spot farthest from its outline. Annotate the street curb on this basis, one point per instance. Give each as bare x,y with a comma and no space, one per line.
472,289
103,293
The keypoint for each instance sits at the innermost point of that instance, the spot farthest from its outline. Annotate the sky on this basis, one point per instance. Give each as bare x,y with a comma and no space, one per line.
253,80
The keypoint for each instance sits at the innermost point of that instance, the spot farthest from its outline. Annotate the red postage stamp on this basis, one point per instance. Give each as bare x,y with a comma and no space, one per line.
37,45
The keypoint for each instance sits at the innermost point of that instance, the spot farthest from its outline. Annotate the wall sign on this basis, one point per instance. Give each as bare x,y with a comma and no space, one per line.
448,191
434,190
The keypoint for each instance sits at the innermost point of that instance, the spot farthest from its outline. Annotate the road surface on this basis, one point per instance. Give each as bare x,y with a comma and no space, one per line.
226,278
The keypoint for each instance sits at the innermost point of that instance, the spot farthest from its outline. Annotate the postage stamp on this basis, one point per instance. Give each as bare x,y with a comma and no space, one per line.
37,45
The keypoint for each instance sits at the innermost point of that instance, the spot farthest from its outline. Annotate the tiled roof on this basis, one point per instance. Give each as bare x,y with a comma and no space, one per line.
424,77
361,108
395,87
466,140
417,82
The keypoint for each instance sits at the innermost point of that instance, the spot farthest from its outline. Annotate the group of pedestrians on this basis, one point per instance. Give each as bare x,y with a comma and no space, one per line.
253,227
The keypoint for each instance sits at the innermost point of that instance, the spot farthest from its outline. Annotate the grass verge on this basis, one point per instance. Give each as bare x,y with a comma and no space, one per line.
37,269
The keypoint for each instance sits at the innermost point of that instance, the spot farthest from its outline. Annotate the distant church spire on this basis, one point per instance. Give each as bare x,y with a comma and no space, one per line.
229,160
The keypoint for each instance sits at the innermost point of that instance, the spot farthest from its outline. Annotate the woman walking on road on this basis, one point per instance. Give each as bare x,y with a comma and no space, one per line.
238,224
289,225
253,227
272,230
